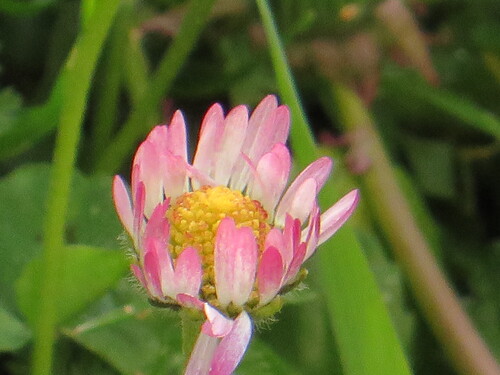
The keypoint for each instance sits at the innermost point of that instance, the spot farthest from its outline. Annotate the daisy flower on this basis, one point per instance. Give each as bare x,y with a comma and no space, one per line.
224,234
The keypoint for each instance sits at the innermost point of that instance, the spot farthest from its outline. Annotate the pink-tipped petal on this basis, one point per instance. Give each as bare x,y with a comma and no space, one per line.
176,140
275,238
216,325
188,272
152,273
139,202
235,262
302,203
210,134
136,270
201,357
232,347
158,225
298,259
337,215
123,204
318,170
269,274
174,174
157,249
235,127
189,301
271,176
311,233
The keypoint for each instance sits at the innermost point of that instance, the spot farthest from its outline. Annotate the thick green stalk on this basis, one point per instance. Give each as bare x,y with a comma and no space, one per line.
437,300
79,70
137,124
301,135
367,341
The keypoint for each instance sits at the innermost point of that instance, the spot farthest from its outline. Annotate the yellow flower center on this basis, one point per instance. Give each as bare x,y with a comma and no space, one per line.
195,216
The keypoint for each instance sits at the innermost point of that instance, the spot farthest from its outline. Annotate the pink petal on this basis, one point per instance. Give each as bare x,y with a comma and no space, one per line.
202,355
235,126
123,204
158,225
157,249
190,301
272,130
298,259
136,270
174,173
269,274
318,170
312,232
210,134
235,262
275,238
216,325
231,349
302,203
139,212
291,237
152,273
271,177
337,215
188,272
177,136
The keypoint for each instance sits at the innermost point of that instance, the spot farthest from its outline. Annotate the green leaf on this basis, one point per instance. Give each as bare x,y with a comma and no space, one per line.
88,273
92,220
133,339
433,165
13,334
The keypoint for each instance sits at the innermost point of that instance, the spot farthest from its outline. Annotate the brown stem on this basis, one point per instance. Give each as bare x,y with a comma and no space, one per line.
438,302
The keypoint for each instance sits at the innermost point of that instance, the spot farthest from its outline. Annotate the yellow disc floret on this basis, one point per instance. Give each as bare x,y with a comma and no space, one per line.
195,216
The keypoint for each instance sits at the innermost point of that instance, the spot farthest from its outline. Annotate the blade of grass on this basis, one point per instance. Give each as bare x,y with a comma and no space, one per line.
366,338
79,71
437,300
136,126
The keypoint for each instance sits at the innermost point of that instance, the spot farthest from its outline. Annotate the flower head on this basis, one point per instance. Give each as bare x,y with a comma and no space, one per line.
224,230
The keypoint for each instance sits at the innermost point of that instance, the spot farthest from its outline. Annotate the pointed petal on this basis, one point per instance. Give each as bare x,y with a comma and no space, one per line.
216,325
232,347
157,249
139,213
311,233
123,205
152,273
269,275
188,272
177,136
189,301
302,203
158,225
337,215
235,262
271,177
136,270
318,170
298,259
174,174
235,127
210,134
202,355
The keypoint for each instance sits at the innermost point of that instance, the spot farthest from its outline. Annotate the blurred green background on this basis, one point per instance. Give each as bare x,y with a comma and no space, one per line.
427,72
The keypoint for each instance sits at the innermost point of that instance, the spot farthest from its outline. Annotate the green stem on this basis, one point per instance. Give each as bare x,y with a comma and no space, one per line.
437,300
109,84
191,327
301,135
136,126
78,71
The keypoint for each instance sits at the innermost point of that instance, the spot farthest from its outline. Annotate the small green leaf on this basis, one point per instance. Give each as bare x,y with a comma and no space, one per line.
13,334
87,274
